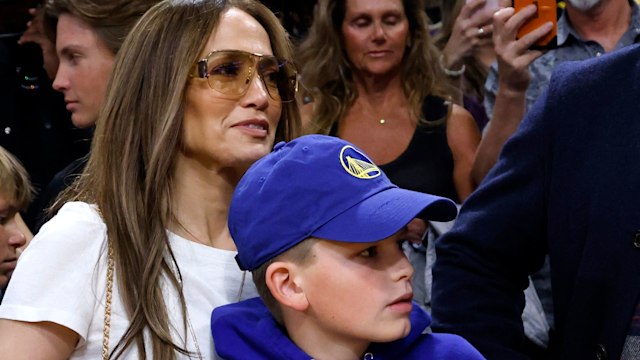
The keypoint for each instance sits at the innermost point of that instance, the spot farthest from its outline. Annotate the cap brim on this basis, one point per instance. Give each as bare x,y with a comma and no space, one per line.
385,213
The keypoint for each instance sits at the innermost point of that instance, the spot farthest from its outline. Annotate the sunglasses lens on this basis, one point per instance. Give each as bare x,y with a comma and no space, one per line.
228,72
231,73
270,72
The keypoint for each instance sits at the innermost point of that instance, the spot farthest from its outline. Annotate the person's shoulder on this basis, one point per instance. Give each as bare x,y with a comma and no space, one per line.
443,347
250,310
75,221
78,212
247,330
623,64
72,240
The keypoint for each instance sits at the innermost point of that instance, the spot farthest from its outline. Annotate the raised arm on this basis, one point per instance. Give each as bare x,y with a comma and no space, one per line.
35,34
471,30
514,57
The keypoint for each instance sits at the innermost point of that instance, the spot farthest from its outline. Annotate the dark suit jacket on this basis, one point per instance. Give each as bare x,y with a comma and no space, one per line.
567,183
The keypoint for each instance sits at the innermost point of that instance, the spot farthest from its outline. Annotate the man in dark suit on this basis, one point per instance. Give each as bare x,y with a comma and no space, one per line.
566,184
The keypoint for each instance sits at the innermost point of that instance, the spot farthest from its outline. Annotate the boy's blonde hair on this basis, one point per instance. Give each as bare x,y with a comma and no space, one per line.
14,180
300,255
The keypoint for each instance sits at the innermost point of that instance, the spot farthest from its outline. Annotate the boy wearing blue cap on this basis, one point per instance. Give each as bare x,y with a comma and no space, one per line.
321,228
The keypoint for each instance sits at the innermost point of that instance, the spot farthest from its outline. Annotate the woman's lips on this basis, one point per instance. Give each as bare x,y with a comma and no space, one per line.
256,128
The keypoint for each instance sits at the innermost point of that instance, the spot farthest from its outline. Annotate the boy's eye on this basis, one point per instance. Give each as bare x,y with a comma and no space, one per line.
5,217
369,252
72,58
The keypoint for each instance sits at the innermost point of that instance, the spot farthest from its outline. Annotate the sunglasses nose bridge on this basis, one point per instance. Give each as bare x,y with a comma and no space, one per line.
254,73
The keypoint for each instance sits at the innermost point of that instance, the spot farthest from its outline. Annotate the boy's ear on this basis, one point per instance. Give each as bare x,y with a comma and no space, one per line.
283,284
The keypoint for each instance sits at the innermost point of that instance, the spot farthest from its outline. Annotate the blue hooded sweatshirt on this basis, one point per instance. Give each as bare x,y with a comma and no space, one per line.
247,330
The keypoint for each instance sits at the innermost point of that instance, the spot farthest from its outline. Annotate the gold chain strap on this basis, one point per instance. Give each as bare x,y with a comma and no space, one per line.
107,304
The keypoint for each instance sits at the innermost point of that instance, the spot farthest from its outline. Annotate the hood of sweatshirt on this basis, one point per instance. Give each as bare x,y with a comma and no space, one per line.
246,330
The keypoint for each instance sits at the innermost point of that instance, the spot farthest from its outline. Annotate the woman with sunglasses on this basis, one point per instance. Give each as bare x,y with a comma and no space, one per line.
134,262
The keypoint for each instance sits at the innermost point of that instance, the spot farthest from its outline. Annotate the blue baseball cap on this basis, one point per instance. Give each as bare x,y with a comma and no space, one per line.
324,187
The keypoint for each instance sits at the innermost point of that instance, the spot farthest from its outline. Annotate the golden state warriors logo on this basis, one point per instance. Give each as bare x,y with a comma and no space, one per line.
358,164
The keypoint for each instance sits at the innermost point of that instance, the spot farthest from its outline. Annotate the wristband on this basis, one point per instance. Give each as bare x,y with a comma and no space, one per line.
450,72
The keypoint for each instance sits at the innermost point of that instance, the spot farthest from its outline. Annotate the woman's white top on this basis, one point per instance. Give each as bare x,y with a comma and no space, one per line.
61,278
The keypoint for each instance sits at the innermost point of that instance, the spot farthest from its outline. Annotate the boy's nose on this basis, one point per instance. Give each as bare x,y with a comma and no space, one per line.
16,237
60,82
402,267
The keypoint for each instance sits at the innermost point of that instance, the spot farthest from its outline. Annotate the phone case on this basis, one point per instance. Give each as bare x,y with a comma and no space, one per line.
546,12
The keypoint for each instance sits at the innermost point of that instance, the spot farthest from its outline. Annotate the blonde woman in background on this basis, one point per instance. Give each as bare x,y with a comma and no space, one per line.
372,76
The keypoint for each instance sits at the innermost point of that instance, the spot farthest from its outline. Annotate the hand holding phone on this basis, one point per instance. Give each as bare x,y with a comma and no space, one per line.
545,12
486,11
472,29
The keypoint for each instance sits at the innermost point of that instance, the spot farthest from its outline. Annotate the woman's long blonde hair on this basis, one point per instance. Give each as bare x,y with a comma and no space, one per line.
326,72
129,174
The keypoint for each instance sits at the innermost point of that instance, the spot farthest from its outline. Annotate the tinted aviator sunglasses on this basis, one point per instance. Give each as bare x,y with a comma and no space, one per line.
230,73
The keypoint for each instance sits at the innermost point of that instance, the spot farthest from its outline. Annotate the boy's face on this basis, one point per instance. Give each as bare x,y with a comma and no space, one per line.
11,238
84,70
359,293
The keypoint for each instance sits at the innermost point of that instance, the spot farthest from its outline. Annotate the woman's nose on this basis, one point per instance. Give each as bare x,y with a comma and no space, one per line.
257,94
378,32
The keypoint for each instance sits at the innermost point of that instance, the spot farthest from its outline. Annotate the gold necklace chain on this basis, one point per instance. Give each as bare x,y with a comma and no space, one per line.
191,234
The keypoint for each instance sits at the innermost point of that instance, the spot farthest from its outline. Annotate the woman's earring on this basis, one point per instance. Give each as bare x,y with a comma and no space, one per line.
408,41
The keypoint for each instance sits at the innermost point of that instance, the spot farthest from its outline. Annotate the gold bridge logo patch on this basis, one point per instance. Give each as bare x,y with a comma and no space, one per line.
358,164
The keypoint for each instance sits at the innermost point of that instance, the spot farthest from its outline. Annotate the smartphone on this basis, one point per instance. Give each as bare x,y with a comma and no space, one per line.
546,11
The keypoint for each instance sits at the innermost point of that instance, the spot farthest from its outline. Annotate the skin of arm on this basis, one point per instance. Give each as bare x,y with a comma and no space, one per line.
463,41
36,341
35,34
463,137
514,57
